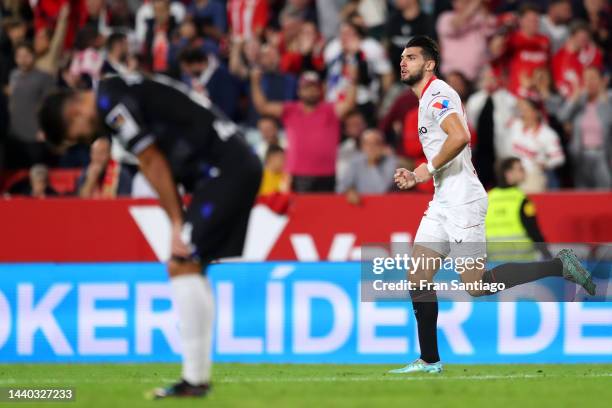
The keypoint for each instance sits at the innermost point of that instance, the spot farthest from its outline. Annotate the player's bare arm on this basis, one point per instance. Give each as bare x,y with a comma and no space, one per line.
458,138
155,168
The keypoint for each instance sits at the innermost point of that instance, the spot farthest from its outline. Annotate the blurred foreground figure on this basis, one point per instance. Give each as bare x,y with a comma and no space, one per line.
178,137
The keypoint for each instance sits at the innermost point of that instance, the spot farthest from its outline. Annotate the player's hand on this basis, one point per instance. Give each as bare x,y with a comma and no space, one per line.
178,247
404,179
421,174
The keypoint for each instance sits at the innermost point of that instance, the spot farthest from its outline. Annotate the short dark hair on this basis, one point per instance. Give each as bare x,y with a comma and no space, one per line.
528,8
579,25
27,45
273,149
51,116
502,167
9,23
113,39
192,55
429,47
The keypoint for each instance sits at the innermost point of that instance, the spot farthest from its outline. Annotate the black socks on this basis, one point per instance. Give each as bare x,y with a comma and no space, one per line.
425,305
512,274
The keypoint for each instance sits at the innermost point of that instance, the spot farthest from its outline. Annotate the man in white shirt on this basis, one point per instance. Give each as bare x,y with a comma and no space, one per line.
455,220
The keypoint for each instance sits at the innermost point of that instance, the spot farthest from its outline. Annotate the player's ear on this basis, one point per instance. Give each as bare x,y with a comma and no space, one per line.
431,65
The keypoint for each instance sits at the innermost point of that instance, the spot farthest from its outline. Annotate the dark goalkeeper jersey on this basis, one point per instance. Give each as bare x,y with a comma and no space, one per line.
194,136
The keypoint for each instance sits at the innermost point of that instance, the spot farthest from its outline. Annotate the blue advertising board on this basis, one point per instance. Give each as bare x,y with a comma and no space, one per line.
274,312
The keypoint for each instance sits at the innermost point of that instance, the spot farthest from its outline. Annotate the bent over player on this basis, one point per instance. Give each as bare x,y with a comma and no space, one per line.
178,137
456,215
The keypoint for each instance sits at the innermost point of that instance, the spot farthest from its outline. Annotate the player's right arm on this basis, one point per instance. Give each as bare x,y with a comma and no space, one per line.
156,170
262,104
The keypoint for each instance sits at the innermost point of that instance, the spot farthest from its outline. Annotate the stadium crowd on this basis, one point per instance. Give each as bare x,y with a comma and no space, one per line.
315,85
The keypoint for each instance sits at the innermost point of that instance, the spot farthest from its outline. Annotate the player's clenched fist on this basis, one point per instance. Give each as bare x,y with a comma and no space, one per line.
404,178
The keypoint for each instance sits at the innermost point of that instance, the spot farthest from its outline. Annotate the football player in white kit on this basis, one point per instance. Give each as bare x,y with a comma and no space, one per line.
455,218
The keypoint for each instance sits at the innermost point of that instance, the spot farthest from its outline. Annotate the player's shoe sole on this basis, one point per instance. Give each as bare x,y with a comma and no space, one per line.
573,271
419,366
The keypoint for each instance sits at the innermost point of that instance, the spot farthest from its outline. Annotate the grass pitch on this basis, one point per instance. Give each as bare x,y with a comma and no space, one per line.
318,386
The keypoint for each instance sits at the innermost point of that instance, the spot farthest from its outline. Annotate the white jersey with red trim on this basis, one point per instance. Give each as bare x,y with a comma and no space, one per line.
456,183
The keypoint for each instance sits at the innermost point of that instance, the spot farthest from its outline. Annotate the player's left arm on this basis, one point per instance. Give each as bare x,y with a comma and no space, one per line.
457,138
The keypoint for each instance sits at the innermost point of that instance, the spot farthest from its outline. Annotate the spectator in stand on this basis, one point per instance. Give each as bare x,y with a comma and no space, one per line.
117,53
158,34
13,33
554,24
463,34
313,131
353,125
287,39
39,182
578,52
247,18
276,85
544,90
27,86
590,111
209,16
146,13
309,53
536,144
49,44
47,13
97,16
462,85
598,14
392,123
88,59
103,177
243,56
268,134
350,51
328,13
407,21
305,9
121,16
275,179
490,111
16,8
188,37
209,77
525,49
371,171
371,13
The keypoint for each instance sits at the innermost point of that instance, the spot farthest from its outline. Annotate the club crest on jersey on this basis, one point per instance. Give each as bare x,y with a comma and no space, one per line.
442,105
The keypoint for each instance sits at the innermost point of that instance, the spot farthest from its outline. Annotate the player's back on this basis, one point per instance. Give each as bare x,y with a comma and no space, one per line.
187,128
456,183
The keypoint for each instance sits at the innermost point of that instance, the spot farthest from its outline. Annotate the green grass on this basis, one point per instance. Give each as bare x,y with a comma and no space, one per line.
319,386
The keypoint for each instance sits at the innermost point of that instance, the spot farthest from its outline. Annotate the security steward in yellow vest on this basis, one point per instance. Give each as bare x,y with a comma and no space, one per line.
511,223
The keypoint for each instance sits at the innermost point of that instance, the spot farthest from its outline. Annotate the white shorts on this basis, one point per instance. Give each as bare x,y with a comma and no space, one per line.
456,230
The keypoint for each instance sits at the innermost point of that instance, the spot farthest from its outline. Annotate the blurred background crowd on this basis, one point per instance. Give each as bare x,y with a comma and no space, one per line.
315,86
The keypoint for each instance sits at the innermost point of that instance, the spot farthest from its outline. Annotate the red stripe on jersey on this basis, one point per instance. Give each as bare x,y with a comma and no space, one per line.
433,78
